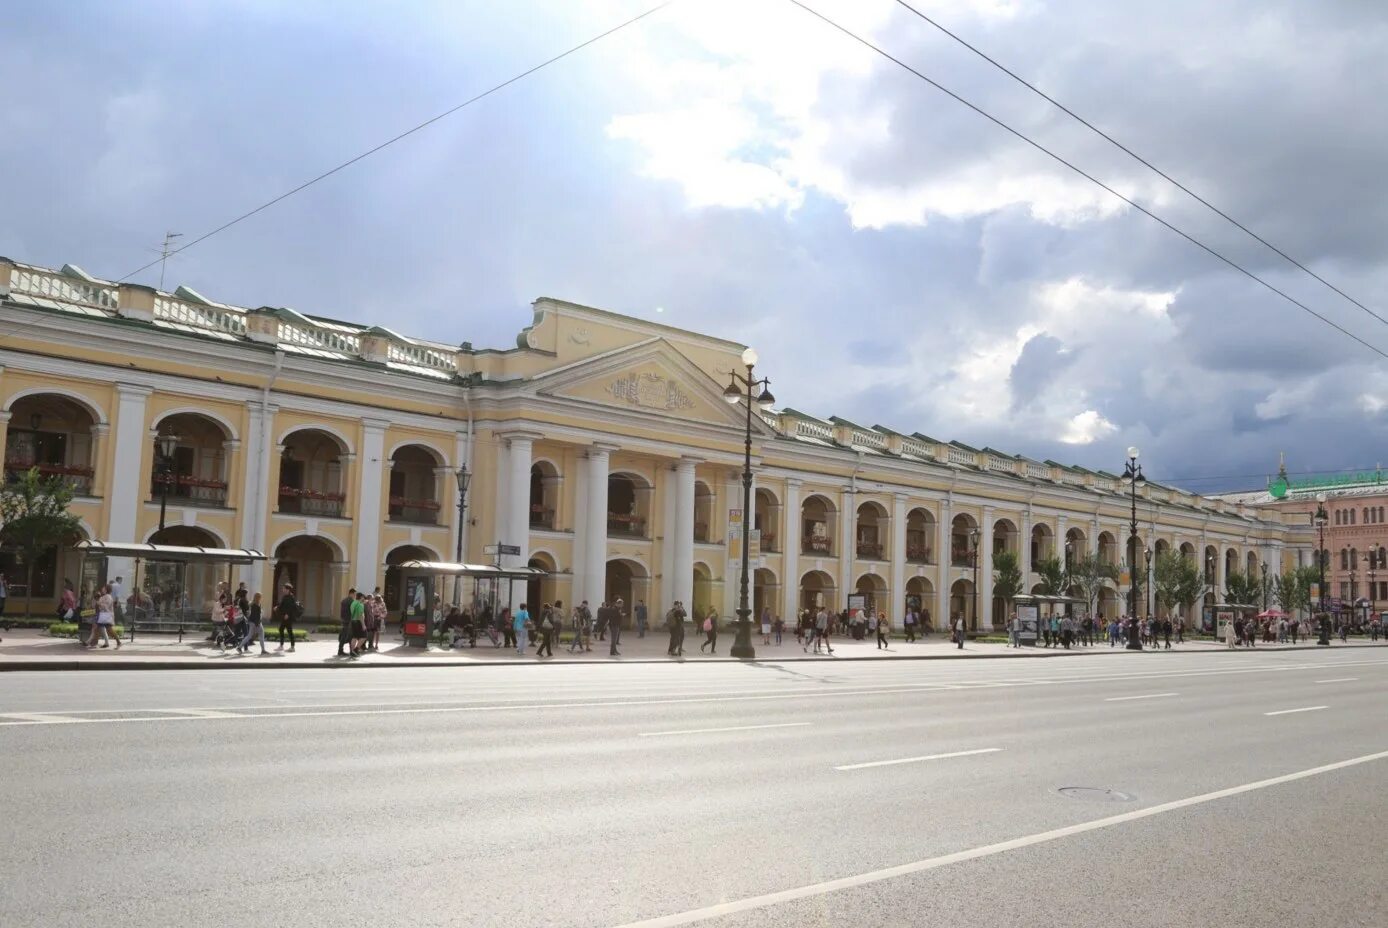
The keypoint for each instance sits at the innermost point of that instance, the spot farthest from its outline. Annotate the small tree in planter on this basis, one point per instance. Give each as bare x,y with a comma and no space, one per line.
33,518
1007,577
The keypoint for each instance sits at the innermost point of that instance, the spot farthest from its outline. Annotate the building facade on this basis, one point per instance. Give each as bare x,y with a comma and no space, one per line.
600,445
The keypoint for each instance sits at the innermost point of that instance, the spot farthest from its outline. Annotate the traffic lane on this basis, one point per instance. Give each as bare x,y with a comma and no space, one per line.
1305,853
603,800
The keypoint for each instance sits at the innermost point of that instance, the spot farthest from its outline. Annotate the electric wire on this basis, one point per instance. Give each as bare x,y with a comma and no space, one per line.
1087,176
1140,159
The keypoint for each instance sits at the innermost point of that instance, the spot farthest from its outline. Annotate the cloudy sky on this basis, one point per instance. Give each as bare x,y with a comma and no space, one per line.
739,168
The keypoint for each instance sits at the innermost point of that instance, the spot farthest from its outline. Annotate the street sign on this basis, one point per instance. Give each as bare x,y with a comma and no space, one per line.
513,550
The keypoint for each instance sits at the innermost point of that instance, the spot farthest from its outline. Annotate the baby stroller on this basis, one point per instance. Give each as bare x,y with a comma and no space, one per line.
231,629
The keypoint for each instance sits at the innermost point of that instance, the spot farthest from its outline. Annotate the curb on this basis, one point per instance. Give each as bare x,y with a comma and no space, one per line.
332,664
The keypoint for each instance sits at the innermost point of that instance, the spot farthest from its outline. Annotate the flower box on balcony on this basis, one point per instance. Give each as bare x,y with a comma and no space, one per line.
404,502
869,549
918,554
306,493
817,545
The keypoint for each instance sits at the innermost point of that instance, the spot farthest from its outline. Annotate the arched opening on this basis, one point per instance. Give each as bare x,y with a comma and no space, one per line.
544,495
1042,543
307,562
819,522
1161,547
1231,561
540,591
626,582
172,587
1005,537
1108,603
817,591
873,589
416,472
768,519
1187,550
961,603
1076,547
394,589
963,540
1253,566
872,531
50,566
920,596
54,434
628,505
312,481
702,591
703,512
766,592
920,536
197,474
1108,549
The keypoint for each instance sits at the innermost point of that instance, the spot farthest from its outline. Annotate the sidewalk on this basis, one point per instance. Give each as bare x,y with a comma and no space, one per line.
24,649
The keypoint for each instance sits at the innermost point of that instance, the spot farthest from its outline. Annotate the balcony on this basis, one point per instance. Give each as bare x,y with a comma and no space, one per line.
78,479
541,518
417,511
187,490
870,549
701,532
961,557
626,526
769,543
303,501
815,545
919,554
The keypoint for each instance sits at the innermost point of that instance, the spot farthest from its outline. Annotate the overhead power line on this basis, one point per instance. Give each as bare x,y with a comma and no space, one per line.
1087,176
1138,158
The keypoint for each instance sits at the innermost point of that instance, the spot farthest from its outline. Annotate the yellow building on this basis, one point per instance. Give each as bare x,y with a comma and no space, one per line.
601,445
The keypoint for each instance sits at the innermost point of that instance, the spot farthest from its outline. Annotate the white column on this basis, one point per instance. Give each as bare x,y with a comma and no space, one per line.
594,535
129,481
985,572
1024,552
682,564
517,522
944,569
368,514
1220,576
252,497
897,610
665,486
790,544
848,546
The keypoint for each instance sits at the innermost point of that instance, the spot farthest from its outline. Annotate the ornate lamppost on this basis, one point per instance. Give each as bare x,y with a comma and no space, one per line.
1373,573
464,478
973,553
737,384
164,447
1147,591
1320,518
1132,472
1264,566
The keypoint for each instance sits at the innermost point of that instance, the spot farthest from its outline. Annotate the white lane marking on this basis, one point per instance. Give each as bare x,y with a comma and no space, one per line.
201,713
988,850
1290,711
704,731
1339,680
1147,696
41,718
913,760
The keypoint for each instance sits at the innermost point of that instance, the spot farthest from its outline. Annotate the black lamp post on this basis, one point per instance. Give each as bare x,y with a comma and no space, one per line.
1264,566
164,447
1373,566
973,541
464,478
1147,579
1321,518
737,384
1210,577
1132,472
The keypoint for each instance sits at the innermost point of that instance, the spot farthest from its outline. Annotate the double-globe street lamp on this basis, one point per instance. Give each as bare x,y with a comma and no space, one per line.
757,392
1132,472
974,535
1320,518
464,478
165,445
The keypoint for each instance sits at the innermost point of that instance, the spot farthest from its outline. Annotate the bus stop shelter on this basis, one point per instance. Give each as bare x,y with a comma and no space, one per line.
420,581
1033,607
172,586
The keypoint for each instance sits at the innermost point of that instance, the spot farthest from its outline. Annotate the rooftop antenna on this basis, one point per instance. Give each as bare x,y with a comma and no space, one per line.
165,251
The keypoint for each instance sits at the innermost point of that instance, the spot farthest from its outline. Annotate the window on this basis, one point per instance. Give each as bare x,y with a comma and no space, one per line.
1353,558
1337,517
1344,558
1351,517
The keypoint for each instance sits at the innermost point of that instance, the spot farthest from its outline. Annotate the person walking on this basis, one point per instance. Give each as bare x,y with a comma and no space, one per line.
1012,640
765,624
520,624
956,627
4,595
642,617
910,624
778,627
288,610
711,630
344,618
255,627
105,619
1166,631
614,625
821,630
548,631
882,632
1180,630
674,623
508,628
602,617
357,630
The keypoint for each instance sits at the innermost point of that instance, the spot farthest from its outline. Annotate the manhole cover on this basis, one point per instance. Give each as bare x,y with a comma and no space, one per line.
1095,794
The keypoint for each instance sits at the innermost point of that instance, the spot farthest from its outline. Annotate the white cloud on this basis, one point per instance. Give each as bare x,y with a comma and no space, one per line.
1087,427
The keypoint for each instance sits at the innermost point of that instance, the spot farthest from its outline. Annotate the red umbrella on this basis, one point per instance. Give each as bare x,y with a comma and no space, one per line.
1272,614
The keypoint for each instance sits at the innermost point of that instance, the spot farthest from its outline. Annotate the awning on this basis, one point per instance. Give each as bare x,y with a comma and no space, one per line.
170,553
451,569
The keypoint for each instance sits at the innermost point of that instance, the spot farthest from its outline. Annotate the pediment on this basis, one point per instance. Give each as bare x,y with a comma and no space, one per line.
650,378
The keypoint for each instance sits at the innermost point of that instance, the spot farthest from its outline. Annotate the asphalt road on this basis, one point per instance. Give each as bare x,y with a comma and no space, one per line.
865,794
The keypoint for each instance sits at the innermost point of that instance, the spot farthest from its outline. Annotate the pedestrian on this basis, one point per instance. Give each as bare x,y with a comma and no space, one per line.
602,620
1067,632
117,591
711,631
255,626
910,623
765,624
1375,626
641,618
924,622
288,611
778,626
674,624
357,631
882,630
547,631
1180,630
508,627
821,631
379,614
957,627
1013,633
4,595
344,618
614,625
520,623
1166,631
105,619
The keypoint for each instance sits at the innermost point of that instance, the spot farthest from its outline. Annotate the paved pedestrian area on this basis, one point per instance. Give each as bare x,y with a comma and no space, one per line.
35,650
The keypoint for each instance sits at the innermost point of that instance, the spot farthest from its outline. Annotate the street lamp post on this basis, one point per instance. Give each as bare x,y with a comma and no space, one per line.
974,535
464,478
1321,517
1210,580
1373,576
733,394
164,447
1264,566
1132,472
1147,579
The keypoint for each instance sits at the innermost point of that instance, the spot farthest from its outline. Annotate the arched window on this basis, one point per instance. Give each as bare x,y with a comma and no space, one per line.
1351,517
1344,558
1353,558
1337,517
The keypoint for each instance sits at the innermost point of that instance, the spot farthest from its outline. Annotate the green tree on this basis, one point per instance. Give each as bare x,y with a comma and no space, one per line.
1007,577
1293,589
1243,589
33,518
1054,580
1091,575
1176,580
